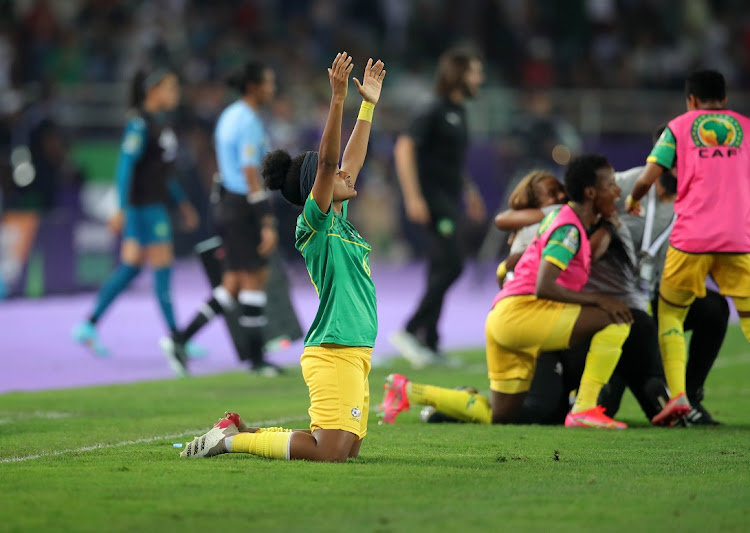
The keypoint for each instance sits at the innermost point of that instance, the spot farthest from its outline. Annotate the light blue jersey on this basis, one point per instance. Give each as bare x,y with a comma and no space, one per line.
240,142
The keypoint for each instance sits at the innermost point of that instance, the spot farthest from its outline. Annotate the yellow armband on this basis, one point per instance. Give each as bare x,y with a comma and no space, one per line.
630,203
366,110
502,270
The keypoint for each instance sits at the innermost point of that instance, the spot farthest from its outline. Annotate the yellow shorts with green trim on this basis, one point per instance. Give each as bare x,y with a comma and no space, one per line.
337,378
686,273
518,328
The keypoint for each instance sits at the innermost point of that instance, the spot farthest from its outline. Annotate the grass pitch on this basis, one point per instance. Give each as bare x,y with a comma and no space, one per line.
101,459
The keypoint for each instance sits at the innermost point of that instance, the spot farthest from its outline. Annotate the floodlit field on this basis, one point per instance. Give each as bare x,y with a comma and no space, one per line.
101,459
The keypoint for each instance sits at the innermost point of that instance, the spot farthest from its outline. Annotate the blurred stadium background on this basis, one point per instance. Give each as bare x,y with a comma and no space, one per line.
562,78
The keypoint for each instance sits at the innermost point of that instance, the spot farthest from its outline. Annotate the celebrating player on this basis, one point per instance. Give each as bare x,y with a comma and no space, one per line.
336,359
543,308
707,147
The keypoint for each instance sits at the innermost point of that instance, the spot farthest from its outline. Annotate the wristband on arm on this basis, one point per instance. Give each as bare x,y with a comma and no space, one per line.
630,202
366,111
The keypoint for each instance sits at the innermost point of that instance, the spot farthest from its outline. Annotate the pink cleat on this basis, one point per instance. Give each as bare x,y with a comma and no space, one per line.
395,399
675,409
592,418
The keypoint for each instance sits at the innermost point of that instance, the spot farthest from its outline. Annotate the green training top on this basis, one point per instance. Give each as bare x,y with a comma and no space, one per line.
337,259
664,152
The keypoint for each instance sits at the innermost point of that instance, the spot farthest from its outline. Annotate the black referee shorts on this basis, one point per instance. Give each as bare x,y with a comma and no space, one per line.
239,226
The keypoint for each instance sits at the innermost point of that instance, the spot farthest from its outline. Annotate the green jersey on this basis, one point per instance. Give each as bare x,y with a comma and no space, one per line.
337,259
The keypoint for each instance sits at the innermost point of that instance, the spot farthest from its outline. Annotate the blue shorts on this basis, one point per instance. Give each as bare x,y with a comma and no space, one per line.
147,224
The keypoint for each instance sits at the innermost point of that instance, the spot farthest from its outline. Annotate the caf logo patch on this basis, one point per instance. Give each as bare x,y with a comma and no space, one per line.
716,129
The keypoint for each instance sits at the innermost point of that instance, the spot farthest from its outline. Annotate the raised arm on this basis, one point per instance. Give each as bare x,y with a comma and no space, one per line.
356,148
330,142
650,174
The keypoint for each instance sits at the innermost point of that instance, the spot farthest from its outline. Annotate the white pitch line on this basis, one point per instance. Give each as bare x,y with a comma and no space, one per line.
262,423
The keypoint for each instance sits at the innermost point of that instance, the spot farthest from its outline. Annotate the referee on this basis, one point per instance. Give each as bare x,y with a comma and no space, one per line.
430,159
243,215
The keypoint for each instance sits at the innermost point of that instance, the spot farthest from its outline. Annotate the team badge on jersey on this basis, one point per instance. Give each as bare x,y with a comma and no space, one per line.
572,240
716,129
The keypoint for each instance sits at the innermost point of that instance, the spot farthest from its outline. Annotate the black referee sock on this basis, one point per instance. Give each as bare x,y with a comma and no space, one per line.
213,307
253,321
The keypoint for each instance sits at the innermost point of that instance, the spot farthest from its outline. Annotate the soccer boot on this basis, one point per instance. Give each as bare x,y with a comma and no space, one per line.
592,418
395,399
212,442
85,333
698,416
195,351
675,409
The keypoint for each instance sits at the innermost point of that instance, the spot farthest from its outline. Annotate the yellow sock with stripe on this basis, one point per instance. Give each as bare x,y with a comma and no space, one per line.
743,306
270,444
672,345
461,404
604,352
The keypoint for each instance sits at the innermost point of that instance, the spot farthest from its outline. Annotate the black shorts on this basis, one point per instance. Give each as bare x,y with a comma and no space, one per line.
239,225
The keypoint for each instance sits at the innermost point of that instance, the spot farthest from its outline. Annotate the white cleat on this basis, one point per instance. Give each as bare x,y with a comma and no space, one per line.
209,444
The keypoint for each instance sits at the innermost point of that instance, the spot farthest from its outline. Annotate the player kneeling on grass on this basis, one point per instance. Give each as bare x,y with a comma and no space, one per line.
336,360
543,308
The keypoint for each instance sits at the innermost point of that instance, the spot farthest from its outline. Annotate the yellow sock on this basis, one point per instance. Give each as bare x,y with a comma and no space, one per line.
604,352
672,345
461,404
743,306
270,444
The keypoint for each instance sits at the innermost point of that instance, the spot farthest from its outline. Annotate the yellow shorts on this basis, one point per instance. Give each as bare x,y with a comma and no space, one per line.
686,273
336,377
517,329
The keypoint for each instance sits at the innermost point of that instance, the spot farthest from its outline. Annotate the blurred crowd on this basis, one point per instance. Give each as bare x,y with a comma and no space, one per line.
575,43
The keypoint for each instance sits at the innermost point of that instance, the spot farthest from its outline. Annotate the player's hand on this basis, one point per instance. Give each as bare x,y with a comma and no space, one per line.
417,211
268,239
338,75
117,222
372,81
616,309
234,417
475,206
632,207
189,216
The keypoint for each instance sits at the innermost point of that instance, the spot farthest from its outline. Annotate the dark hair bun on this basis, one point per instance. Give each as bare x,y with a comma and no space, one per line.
275,168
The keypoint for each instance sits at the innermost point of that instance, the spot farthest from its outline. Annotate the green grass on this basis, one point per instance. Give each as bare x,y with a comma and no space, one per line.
410,477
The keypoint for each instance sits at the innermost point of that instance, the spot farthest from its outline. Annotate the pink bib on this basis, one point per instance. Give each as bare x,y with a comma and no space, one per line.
713,182
574,277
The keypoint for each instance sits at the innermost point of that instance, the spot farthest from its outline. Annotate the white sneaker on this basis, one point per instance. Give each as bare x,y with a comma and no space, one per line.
411,349
210,444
